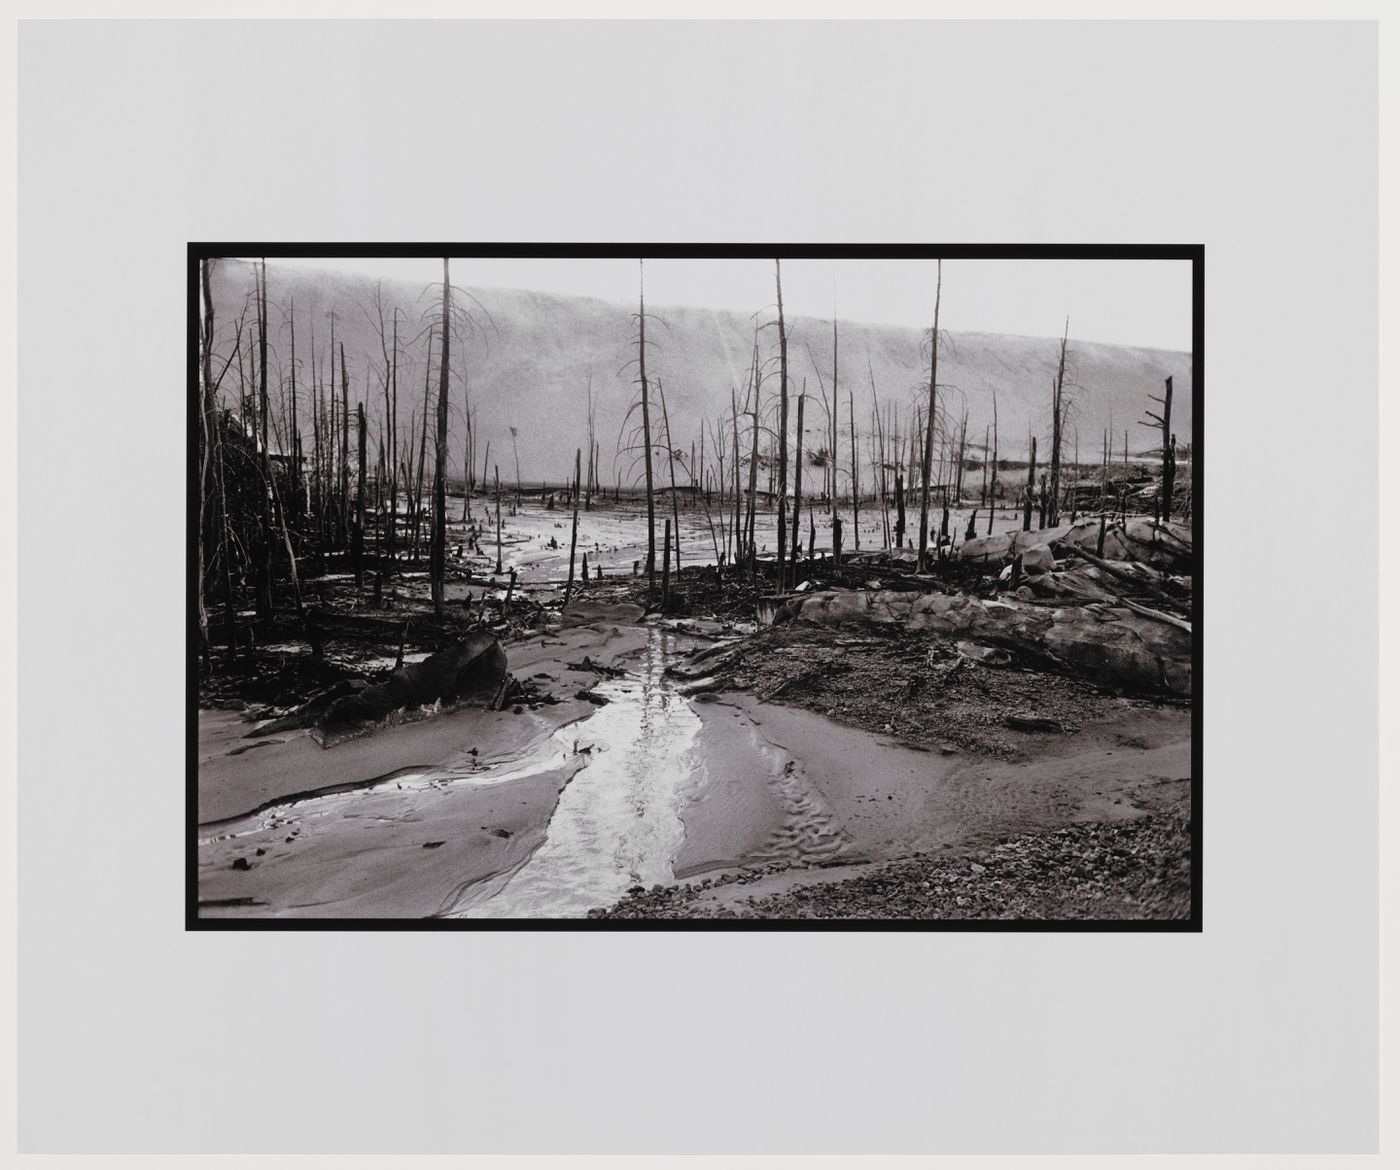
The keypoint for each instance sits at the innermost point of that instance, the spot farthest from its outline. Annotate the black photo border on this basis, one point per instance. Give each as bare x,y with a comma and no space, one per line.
197,251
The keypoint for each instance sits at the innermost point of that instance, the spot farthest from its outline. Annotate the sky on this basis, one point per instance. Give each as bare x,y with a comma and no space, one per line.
1122,302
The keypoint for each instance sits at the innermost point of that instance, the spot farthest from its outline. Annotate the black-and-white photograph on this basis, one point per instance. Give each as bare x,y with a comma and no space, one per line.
684,588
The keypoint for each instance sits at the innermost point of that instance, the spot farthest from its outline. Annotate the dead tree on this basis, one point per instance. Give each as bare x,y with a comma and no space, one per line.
855,470
209,426
666,568
468,468
899,505
734,532
671,465
962,456
992,509
357,539
389,438
797,484
592,469
1164,421
264,570
782,430
417,478
298,490
882,484
1030,490
497,470
835,433
515,450
646,424
751,547
437,556
928,434
573,537
1057,402
343,515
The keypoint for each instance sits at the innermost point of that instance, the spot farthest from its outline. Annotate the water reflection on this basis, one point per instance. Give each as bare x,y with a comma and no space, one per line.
618,822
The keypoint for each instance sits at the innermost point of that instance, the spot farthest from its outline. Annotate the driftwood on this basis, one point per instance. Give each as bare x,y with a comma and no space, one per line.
473,666
599,668
1122,575
1152,613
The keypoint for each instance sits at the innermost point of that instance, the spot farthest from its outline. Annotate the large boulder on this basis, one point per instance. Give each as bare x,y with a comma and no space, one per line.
473,667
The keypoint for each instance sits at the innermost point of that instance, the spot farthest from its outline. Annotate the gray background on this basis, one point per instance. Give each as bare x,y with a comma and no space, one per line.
1257,140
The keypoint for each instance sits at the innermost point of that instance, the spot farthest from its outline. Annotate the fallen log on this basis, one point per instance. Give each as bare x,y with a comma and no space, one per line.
1121,574
474,666
1152,613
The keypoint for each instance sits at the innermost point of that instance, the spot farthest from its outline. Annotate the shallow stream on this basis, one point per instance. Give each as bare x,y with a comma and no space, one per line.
618,822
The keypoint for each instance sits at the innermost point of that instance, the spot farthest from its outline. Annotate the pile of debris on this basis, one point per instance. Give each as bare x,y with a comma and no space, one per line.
1107,603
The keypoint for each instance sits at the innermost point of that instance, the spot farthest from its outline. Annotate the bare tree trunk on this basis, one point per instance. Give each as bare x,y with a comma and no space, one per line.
264,590
752,543
588,482
1030,490
782,431
298,489
646,425
666,568
835,433
1164,420
671,464
797,484
1057,425
929,424
882,482
391,405
962,456
855,471
343,508
986,452
208,425
899,504
734,529
437,557
422,453
992,511
357,541
499,568
573,537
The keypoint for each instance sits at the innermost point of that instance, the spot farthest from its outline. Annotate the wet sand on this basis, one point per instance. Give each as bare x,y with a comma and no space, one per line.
435,817
788,785
398,823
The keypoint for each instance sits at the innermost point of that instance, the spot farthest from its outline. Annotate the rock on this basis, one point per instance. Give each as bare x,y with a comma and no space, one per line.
242,863
433,844
977,868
